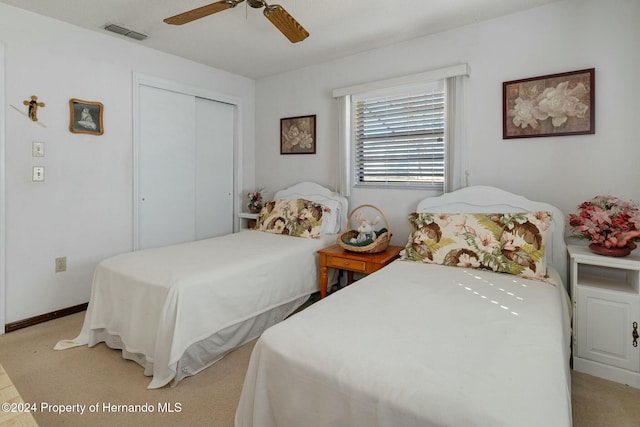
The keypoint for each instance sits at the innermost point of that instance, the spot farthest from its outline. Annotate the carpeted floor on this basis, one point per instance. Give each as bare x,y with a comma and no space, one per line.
99,376
601,403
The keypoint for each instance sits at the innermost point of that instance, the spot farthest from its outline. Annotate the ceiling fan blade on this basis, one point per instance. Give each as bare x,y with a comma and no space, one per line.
201,12
285,23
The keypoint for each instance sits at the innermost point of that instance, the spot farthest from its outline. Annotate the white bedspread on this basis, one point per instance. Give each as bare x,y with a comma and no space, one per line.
160,301
417,345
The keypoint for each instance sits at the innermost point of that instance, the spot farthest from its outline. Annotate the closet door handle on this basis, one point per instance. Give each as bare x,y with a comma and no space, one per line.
635,334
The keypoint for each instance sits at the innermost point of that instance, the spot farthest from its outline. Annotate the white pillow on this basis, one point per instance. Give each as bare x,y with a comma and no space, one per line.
330,220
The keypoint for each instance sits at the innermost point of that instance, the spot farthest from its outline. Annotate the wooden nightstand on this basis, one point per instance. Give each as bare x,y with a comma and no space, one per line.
337,257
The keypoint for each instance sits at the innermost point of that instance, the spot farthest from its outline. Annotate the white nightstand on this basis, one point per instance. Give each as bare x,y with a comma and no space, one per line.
246,218
606,315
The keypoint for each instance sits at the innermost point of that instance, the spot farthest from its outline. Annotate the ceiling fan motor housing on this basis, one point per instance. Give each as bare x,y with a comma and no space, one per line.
257,4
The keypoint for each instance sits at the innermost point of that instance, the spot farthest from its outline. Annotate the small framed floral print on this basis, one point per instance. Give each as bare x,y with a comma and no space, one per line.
298,135
552,105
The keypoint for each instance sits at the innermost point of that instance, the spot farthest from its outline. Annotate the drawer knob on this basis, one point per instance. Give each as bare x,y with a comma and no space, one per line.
635,334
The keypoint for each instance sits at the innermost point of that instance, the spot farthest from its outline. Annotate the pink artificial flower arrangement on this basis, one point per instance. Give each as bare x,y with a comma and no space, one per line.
607,221
255,200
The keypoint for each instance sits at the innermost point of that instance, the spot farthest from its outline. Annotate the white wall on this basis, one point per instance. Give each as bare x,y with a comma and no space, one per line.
84,209
565,36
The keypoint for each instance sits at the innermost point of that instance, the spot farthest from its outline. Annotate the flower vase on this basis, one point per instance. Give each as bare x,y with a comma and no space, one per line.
615,252
254,209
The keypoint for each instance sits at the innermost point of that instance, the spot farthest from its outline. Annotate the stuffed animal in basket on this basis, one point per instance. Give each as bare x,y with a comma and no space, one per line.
365,229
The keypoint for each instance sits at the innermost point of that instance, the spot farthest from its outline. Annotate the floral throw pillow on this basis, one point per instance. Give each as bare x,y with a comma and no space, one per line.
296,217
511,243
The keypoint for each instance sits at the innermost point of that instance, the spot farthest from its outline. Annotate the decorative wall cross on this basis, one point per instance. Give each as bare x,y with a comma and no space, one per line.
33,107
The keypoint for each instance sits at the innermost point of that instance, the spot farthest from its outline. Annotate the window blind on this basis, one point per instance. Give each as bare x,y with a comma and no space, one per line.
401,139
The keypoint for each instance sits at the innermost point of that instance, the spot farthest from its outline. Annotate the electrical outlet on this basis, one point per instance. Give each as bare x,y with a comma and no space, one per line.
61,264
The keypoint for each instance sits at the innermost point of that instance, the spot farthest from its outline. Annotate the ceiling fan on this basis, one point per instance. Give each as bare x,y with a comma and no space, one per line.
274,13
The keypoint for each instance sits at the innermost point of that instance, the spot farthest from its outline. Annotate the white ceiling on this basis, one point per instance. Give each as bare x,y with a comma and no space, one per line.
241,40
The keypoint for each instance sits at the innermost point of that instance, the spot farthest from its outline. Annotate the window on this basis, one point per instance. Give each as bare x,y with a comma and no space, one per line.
405,132
399,136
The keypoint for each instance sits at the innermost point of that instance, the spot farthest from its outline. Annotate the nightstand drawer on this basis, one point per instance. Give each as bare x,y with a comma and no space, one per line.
336,257
346,263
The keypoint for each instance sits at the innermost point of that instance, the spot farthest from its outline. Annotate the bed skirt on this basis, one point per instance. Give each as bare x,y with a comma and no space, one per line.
205,353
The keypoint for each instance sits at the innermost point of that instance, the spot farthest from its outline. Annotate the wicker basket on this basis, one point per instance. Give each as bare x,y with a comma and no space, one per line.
378,245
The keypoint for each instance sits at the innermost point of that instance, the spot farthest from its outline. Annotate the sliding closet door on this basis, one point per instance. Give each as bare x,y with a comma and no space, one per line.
214,168
167,175
184,194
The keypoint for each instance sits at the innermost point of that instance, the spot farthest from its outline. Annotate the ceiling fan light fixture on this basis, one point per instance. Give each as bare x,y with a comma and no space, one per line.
125,32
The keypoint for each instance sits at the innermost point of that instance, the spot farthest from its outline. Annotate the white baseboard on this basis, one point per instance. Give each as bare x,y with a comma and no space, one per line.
607,372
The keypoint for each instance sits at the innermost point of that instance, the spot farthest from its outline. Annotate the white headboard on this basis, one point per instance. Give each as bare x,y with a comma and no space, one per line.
484,199
316,193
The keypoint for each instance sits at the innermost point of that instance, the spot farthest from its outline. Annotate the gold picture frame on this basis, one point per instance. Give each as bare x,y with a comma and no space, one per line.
298,135
86,117
551,105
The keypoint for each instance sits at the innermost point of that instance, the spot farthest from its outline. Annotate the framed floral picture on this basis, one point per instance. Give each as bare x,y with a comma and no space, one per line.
552,105
298,135
85,117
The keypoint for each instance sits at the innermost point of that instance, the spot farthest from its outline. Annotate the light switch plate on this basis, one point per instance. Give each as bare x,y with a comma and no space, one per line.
38,174
37,149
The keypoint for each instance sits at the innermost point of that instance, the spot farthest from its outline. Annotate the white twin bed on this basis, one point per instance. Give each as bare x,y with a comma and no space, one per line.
422,344
178,309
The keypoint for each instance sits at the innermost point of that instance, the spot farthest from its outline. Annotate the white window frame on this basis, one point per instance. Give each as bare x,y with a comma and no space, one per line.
455,170
396,92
